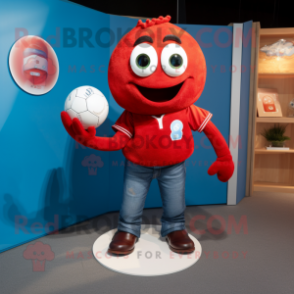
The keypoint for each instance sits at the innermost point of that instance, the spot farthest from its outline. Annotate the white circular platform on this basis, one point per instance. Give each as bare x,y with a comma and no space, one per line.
151,257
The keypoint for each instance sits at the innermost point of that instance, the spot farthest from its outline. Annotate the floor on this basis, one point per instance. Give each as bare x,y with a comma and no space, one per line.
248,248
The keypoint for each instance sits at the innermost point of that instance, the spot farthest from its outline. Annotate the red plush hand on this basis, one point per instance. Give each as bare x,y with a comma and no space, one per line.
88,138
223,167
76,130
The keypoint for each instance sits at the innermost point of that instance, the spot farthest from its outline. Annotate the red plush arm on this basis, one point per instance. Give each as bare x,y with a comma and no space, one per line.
88,138
224,165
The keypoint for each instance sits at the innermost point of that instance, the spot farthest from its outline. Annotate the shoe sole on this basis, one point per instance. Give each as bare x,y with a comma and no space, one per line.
120,252
179,250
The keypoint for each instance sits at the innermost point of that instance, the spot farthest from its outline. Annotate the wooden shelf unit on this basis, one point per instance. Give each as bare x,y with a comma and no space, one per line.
270,170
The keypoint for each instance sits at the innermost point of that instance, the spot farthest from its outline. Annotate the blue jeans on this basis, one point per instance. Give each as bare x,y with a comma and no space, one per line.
137,179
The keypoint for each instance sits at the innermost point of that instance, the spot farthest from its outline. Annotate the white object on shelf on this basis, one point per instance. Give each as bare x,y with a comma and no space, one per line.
291,108
277,148
280,48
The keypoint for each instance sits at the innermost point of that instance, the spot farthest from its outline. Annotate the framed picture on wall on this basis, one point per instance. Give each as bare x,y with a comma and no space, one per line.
34,65
268,104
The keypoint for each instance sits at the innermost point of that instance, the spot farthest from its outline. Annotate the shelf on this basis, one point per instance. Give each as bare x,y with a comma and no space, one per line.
286,120
277,32
275,75
272,187
264,151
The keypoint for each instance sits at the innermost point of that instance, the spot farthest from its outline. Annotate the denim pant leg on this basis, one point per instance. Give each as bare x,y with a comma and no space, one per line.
137,181
172,188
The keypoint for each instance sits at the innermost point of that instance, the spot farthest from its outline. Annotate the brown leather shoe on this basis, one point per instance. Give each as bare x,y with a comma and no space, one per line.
180,242
122,243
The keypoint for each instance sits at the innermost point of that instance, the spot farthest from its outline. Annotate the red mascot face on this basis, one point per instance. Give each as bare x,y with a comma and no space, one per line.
156,68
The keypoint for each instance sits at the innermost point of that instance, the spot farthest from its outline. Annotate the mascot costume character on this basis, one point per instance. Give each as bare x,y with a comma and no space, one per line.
156,73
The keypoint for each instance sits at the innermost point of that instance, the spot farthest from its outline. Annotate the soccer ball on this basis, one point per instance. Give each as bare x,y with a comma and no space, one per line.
87,104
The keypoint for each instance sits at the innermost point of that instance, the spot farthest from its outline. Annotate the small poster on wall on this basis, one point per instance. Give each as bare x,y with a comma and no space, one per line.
268,104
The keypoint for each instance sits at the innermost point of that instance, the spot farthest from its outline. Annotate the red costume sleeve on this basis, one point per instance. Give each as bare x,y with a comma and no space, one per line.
88,138
198,118
125,124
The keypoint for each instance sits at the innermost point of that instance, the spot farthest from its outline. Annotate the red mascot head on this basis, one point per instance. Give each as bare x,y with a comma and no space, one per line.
156,68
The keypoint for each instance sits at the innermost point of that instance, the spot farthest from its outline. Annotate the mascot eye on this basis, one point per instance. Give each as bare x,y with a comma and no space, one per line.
143,60
174,60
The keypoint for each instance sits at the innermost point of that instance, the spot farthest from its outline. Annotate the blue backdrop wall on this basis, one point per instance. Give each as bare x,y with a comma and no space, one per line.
43,185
